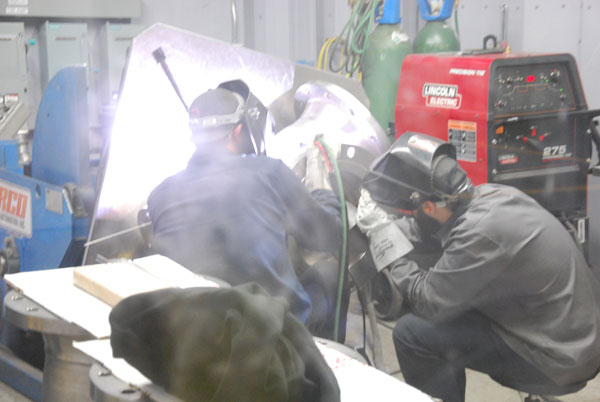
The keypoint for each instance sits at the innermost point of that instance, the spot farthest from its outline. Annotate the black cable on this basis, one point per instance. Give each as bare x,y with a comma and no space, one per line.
385,324
161,59
363,351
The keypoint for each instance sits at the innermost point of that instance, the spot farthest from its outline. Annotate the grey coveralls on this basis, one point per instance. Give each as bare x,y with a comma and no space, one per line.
511,261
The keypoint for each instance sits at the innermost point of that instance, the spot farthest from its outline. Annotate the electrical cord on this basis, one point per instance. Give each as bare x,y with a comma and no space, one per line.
353,40
324,54
363,350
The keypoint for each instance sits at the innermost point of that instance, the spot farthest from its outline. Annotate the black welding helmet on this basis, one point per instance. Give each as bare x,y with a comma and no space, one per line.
416,168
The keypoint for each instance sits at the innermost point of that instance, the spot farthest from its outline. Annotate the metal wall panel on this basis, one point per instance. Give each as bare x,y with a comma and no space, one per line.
62,45
273,28
480,18
552,26
286,28
332,15
71,8
207,17
114,41
303,24
13,70
589,59
411,19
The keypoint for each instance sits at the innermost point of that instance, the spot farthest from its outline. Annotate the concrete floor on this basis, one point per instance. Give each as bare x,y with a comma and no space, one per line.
8,394
480,388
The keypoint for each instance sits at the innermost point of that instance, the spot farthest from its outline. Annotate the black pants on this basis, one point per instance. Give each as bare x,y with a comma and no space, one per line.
433,356
321,283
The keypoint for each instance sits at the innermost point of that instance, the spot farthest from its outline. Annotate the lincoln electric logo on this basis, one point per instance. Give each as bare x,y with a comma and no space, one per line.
441,95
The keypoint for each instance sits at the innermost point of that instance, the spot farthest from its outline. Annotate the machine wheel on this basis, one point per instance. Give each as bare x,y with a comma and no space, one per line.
388,300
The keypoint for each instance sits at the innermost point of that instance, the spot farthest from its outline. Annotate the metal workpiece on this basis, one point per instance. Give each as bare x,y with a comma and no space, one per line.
347,126
105,387
340,347
360,127
66,370
30,316
65,376
150,137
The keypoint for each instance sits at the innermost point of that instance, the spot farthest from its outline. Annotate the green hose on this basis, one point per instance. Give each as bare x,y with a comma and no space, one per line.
355,37
338,176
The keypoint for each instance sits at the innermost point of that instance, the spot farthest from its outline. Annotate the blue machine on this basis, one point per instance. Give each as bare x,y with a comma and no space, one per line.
44,213
43,221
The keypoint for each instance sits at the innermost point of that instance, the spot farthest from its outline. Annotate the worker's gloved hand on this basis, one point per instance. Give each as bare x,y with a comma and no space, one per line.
386,241
369,215
318,169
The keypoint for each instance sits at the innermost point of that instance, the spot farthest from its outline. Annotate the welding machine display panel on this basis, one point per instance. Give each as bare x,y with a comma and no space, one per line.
529,89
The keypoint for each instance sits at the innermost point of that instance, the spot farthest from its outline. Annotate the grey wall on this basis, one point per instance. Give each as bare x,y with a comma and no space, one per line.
296,30
208,17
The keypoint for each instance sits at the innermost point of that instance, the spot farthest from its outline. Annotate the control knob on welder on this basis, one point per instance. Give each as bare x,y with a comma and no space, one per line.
554,76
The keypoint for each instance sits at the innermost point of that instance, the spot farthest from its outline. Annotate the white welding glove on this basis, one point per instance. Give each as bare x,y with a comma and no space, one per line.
317,170
386,241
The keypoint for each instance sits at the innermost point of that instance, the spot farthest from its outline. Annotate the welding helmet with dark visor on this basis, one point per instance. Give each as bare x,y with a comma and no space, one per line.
416,168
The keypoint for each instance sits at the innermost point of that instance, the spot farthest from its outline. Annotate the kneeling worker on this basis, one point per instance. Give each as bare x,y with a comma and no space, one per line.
229,213
511,295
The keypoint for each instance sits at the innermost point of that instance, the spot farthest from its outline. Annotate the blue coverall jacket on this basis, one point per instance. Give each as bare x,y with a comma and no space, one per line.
230,216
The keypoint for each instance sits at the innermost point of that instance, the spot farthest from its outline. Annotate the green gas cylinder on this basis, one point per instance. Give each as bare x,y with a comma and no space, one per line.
388,45
436,36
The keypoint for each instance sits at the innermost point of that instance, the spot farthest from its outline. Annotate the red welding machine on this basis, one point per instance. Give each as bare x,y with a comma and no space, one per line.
516,119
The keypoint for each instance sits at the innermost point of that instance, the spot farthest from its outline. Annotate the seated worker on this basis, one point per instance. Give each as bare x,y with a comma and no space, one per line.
229,214
511,295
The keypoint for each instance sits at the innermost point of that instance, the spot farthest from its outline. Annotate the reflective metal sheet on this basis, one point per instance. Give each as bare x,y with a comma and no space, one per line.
150,134
346,124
